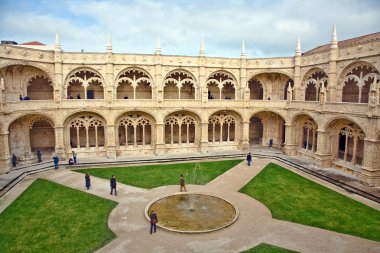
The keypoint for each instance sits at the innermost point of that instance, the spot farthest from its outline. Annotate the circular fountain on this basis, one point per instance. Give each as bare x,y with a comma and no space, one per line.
192,212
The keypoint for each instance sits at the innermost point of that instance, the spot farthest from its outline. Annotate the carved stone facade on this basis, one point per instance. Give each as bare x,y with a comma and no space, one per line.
322,105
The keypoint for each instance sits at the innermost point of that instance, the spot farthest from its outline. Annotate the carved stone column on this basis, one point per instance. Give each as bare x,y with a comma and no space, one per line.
4,153
160,144
204,138
371,163
245,136
323,155
60,142
290,147
111,142
58,77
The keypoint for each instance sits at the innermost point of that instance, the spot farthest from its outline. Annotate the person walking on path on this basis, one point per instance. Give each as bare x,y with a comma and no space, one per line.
88,181
113,185
153,221
39,156
249,158
56,161
14,160
182,183
74,157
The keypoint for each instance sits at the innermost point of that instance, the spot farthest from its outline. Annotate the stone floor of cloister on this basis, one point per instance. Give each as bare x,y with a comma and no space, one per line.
254,225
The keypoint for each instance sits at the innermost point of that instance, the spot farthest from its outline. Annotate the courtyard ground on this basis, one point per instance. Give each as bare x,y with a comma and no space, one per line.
255,224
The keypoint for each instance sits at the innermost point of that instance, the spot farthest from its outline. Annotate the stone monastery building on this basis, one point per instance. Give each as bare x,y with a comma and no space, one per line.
322,104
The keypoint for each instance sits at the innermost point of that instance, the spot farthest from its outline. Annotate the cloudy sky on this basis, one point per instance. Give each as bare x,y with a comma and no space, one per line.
268,27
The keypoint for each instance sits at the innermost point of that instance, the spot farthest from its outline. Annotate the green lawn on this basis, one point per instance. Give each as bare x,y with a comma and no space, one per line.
152,176
48,217
266,248
294,198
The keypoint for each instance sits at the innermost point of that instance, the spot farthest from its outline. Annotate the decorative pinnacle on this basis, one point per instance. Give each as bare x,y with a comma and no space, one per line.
158,47
2,83
243,53
298,47
57,43
334,41
109,43
202,48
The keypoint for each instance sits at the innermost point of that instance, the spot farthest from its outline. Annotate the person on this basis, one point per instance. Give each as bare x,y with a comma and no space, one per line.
39,156
153,221
78,96
74,157
88,181
21,98
249,158
182,183
14,160
270,143
71,161
113,185
55,160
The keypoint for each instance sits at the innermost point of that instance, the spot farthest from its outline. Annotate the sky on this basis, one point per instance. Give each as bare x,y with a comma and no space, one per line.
269,27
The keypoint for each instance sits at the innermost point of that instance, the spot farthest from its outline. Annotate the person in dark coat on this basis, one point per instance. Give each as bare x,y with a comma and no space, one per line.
14,160
153,221
88,181
249,159
39,156
56,161
74,157
113,185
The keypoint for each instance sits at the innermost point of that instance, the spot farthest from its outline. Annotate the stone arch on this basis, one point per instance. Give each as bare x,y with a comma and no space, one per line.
180,84
17,80
355,82
85,132
304,129
134,83
181,128
135,129
29,133
312,82
267,128
274,84
84,83
256,89
222,84
346,141
224,127
40,87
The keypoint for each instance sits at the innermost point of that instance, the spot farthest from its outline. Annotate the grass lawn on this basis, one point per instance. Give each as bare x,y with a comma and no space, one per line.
294,198
48,217
152,176
266,248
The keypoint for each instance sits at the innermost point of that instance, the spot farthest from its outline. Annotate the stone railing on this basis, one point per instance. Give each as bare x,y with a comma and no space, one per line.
329,107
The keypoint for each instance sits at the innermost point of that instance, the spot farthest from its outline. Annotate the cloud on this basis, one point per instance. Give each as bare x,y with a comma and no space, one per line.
269,28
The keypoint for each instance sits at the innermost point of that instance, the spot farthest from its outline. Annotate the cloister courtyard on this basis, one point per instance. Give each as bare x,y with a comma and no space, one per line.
278,205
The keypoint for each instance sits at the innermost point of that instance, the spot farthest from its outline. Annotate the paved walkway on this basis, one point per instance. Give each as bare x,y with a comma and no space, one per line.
254,225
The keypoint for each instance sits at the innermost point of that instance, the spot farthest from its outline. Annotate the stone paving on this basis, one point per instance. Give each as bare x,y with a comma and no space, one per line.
254,225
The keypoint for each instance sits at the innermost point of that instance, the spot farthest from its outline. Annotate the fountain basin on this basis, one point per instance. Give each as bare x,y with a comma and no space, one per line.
192,212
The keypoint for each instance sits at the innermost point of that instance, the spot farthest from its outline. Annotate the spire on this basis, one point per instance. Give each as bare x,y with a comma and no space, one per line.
158,47
202,48
243,53
109,43
334,41
57,43
298,47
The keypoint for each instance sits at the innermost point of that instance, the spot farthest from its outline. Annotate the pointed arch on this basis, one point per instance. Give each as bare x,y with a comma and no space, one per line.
180,84
134,83
84,83
355,81
222,85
